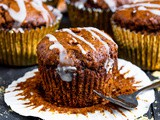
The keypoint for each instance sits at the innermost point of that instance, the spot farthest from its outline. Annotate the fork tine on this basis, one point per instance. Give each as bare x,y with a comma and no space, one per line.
115,101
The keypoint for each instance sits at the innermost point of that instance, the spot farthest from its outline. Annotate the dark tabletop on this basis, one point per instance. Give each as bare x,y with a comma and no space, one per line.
9,74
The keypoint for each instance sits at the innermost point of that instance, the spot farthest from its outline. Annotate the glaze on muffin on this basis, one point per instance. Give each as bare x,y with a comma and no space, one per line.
73,62
25,14
23,23
140,17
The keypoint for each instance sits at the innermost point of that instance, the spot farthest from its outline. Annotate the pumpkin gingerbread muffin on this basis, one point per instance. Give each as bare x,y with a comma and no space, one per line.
73,62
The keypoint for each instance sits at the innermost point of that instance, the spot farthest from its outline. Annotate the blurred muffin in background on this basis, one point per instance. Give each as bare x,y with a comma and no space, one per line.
136,29
95,13
23,23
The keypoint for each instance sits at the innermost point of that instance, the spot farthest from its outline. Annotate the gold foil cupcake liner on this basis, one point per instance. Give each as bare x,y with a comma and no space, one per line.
86,17
19,48
141,49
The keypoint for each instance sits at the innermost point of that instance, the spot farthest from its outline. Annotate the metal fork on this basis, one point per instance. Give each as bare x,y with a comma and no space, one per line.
128,101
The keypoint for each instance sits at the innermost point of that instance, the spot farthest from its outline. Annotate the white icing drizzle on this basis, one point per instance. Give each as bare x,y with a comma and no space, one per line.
64,72
95,35
109,62
80,4
150,5
63,53
21,15
108,65
153,11
38,5
112,4
17,16
80,47
4,6
82,50
101,33
142,7
80,38
57,13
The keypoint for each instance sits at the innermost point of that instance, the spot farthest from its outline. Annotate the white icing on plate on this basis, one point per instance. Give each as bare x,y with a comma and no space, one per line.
144,101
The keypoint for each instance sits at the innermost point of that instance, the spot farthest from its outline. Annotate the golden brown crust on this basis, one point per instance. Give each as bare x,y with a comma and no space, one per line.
94,59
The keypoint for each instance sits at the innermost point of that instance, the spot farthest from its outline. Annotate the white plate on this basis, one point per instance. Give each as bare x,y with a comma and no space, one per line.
144,100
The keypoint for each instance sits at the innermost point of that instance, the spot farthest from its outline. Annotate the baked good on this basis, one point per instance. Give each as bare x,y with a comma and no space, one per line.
73,62
23,23
136,30
96,13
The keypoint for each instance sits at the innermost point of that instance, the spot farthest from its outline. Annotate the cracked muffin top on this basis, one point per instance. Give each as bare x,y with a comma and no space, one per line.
86,47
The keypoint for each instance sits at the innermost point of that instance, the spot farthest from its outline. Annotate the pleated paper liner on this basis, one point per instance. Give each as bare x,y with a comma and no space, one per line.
19,48
78,92
142,50
25,97
86,17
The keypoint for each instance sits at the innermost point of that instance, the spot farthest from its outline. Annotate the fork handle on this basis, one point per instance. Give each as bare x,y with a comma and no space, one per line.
151,86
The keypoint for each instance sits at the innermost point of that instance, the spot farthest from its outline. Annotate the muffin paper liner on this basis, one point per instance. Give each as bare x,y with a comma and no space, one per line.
142,50
12,99
19,48
86,17
78,92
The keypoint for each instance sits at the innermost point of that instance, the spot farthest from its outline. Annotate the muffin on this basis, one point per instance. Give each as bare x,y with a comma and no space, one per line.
96,13
22,25
136,30
74,62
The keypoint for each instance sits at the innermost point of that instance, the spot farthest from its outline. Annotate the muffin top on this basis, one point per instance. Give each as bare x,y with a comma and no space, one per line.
104,4
139,17
26,14
85,47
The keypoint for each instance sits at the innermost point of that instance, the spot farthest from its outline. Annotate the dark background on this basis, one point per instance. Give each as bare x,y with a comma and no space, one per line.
9,74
